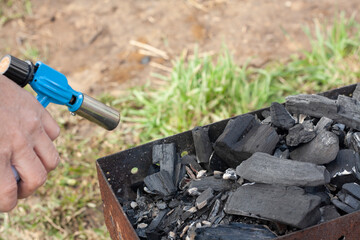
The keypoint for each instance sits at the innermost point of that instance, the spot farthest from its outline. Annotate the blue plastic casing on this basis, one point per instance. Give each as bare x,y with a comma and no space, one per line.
52,87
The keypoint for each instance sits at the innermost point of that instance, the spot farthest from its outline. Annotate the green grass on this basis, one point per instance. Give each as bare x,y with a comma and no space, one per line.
198,91
203,90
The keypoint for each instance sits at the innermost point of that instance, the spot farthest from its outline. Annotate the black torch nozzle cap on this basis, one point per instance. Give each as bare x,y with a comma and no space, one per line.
19,71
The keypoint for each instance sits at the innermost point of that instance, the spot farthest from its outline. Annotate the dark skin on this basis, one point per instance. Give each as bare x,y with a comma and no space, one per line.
27,132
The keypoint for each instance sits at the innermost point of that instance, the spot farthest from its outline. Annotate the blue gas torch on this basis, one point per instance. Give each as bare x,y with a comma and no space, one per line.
52,86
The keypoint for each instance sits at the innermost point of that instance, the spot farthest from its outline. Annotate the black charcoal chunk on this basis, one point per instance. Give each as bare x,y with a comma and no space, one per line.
322,149
284,154
169,221
344,110
348,111
352,140
216,163
179,172
312,105
344,164
190,160
285,204
264,168
352,189
261,138
320,191
239,231
214,211
204,198
165,154
266,120
203,146
161,183
211,182
342,206
280,117
156,221
356,93
250,137
234,131
299,134
323,124
265,114
349,200
328,213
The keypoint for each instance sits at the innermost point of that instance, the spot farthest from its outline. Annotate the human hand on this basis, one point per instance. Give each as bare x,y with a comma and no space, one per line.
26,134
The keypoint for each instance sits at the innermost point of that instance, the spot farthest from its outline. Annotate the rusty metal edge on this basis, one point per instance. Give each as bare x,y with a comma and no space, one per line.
116,221
345,227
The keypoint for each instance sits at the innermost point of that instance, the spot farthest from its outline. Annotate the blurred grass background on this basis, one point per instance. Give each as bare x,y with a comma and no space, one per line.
199,90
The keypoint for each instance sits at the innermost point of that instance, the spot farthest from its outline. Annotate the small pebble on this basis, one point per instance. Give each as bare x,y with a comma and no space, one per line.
161,205
142,225
133,205
172,235
230,174
193,191
201,173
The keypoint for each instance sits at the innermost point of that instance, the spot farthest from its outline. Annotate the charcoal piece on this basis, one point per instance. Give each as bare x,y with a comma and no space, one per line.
188,213
174,203
299,134
322,149
179,172
140,232
352,189
239,231
345,163
219,218
156,221
265,114
211,182
348,111
153,169
264,168
342,206
214,211
320,191
169,221
161,183
344,110
323,124
349,200
353,141
217,164
165,154
203,146
285,204
312,105
328,213
266,120
234,131
190,160
280,117
282,154
261,138
204,198
356,93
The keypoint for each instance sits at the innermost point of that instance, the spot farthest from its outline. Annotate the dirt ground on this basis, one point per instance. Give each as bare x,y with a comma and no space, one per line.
95,43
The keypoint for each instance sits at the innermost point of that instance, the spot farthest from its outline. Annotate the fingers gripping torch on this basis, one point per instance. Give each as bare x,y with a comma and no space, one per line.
52,87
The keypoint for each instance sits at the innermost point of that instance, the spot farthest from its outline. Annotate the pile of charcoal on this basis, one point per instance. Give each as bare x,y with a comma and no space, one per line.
294,166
